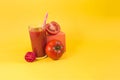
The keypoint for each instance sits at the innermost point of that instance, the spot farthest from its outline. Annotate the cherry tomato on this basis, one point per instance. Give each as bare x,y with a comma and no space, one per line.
52,27
54,49
30,56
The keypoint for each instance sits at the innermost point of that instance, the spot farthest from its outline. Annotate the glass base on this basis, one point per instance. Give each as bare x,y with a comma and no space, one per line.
42,57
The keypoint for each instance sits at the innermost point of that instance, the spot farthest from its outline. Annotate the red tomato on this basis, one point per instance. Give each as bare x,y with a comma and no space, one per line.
52,28
54,49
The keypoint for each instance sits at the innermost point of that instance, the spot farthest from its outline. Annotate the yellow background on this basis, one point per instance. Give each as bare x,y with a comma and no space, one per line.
92,30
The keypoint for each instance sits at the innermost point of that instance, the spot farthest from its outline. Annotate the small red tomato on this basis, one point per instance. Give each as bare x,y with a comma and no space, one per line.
30,56
52,27
54,49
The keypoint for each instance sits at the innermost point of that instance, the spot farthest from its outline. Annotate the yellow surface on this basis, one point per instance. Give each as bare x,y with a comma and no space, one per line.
92,30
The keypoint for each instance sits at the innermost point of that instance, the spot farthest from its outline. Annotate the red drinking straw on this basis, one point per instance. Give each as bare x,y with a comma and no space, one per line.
45,19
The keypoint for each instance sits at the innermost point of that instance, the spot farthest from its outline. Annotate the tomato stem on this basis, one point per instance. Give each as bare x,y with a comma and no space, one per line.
57,47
